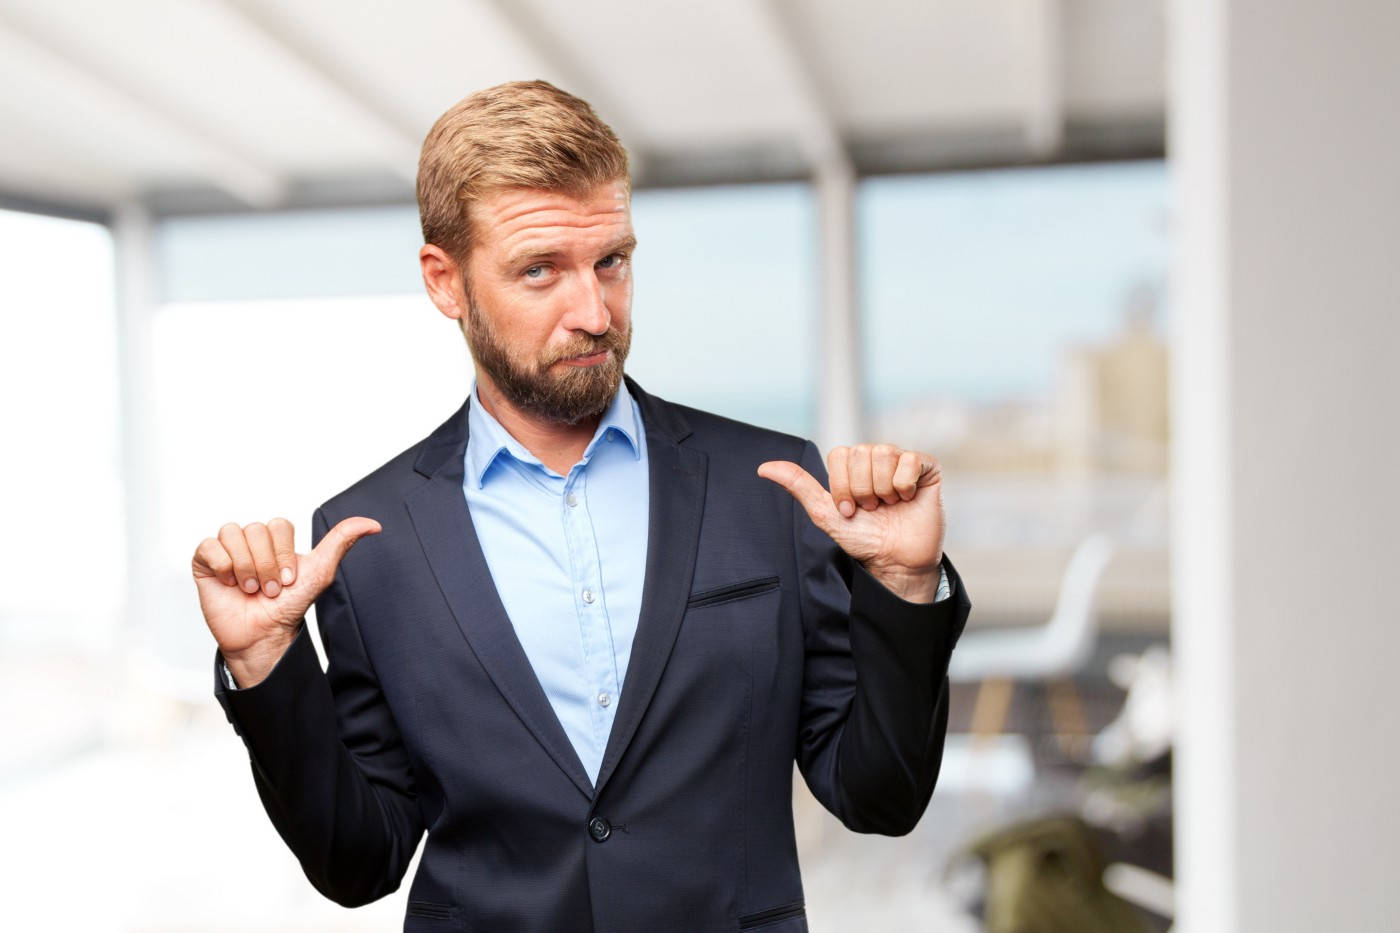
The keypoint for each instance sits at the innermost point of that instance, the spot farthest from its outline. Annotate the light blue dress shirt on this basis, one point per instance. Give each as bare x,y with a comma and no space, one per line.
568,556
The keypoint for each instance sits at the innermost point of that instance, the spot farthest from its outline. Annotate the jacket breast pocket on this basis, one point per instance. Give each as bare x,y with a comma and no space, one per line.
789,918
731,631
430,910
715,596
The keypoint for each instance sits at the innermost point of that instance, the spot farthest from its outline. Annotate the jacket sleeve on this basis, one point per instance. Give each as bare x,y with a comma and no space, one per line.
328,759
875,683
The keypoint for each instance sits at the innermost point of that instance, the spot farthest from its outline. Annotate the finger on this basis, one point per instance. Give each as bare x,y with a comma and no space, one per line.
211,560
803,487
929,470
338,542
284,549
884,459
838,475
264,559
862,487
906,474
231,537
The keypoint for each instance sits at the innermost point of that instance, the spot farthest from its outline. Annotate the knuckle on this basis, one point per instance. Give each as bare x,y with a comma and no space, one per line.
279,524
257,528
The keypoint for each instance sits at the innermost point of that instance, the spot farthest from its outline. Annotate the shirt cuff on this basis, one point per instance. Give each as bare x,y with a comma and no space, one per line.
944,590
228,676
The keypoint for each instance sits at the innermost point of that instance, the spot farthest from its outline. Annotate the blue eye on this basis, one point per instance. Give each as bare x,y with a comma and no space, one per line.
534,272
610,262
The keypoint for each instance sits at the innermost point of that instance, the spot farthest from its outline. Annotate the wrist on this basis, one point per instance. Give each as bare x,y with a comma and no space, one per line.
910,585
251,665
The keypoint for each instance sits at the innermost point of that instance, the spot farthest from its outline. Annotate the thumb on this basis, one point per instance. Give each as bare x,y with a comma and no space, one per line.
803,486
339,540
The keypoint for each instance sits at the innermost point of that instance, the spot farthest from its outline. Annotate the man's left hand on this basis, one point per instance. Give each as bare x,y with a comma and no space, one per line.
884,509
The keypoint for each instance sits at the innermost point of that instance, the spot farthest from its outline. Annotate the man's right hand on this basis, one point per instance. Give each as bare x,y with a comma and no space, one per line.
254,589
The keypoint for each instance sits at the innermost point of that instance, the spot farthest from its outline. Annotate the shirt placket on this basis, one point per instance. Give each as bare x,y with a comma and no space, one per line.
595,635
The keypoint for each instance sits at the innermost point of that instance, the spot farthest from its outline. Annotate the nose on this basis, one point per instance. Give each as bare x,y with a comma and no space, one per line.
589,309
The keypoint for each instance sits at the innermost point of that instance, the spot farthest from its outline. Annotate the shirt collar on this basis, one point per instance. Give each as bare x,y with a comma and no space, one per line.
487,439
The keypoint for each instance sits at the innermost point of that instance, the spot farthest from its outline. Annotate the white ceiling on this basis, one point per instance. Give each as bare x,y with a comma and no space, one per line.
216,104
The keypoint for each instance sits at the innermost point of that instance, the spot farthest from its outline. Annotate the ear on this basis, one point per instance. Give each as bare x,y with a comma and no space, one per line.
442,277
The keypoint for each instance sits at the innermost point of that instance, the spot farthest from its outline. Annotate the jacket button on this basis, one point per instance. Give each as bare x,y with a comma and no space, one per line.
599,829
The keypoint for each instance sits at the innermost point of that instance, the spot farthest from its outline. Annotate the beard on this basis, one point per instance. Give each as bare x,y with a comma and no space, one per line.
568,397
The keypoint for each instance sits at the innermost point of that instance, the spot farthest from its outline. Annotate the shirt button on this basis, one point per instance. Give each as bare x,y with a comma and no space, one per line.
604,699
599,829
571,499
588,596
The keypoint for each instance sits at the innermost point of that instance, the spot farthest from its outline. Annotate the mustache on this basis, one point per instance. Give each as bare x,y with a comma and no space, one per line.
586,345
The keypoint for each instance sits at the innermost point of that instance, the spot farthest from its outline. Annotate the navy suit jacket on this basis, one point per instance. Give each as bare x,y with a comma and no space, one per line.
759,643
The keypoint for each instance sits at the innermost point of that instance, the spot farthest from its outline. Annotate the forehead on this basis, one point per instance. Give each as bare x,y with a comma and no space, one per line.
534,220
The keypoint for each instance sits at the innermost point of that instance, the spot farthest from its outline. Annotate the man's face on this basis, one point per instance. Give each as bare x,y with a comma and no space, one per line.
549,289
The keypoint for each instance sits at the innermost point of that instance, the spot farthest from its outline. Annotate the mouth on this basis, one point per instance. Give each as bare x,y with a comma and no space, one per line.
587,359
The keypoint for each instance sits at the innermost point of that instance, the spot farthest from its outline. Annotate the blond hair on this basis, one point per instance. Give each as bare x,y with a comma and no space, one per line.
524,134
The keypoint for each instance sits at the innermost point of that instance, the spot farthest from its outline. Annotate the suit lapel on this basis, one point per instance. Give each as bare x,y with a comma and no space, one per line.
444,527
676,485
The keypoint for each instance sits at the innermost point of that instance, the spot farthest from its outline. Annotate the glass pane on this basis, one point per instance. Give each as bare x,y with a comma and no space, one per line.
289,254
1014,328
726,306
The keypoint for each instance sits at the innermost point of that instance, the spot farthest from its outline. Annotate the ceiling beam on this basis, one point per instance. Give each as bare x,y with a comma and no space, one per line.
813,124
399,135
28,203
219,158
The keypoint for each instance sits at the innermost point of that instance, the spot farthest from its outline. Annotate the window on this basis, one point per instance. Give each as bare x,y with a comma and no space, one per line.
1013,326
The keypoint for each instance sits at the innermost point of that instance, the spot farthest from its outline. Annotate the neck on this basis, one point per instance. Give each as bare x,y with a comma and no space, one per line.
558,446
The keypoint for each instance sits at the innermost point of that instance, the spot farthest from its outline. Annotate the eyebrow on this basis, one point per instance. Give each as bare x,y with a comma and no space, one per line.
625,244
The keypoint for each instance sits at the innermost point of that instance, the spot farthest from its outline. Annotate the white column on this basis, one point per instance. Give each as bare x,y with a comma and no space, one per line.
135,283
1286,433
1045,106
840,414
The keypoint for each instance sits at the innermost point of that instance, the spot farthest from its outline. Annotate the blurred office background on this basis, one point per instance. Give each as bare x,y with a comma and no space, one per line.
1124,266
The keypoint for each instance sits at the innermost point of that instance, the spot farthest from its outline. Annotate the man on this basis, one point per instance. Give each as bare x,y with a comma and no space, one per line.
591,632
